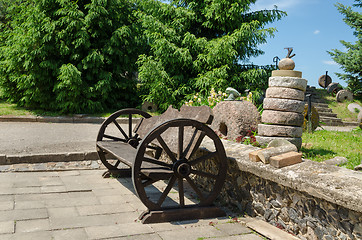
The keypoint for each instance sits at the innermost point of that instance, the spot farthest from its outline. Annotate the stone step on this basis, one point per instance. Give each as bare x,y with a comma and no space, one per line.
330,121
323,110
315,104
327,114
350,124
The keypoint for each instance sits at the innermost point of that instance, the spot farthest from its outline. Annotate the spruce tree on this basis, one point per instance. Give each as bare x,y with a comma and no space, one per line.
351,60
196,45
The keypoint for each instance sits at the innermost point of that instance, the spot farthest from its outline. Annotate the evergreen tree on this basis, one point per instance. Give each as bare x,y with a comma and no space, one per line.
70,56
196,45
351,60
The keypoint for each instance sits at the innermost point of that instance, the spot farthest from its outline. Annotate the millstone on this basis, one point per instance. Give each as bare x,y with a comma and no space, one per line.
333,88
263,141
278,130
324,81
286,73
289,82
149,106
285,93
283,105
282,118
354,107
344,95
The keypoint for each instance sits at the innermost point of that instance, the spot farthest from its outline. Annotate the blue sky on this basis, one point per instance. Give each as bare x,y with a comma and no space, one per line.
312,28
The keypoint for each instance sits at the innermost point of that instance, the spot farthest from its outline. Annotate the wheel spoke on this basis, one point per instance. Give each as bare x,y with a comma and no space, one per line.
117,163
130,125
180,141
120,129
114,138
154,161
194,147
167,190
204,174
181,193
203,158
149,182
195,188
166,148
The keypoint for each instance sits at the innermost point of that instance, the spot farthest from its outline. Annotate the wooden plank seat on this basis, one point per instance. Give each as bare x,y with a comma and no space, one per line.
165,148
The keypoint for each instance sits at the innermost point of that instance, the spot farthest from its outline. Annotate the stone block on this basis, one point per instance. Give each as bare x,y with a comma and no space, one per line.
286,159
266,154
262,140
278,130
286,105
284,93
282,118
288,82
253,156
286,73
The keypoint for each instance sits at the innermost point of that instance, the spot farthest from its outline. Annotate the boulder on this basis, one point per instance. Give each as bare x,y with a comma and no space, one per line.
284,93
359,119
282,118
234,118
289,82
287,105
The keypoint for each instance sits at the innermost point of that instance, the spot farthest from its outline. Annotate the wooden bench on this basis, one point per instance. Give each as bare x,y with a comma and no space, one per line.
161,155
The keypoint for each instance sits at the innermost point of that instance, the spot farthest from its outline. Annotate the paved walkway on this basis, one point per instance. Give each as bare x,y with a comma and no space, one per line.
83,205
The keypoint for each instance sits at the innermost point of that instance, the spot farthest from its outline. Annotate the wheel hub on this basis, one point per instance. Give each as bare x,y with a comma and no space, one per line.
182,168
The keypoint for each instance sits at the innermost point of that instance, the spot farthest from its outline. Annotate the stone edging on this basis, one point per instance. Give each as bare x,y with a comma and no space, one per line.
48,157
60,119
334,184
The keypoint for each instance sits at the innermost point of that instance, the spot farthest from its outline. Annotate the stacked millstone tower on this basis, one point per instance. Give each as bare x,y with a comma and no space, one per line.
282,117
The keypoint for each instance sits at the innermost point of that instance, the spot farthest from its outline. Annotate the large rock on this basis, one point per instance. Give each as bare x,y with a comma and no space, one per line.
264,141
278,130
285,93
359,119
289,82
234,118
282,118
287,105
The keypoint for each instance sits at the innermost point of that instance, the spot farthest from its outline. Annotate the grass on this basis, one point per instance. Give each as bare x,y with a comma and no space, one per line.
323,145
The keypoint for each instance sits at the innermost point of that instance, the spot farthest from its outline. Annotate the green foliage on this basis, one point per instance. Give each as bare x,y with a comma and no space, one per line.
351,60
70,56
195,46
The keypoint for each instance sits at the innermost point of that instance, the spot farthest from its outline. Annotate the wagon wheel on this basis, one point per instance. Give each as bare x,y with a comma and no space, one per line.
112,130
181,166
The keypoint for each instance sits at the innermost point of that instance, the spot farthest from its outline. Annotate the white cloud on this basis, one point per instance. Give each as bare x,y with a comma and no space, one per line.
330,62
281,4
316,32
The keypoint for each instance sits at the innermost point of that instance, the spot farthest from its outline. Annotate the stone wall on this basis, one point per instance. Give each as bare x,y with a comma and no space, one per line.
311,200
